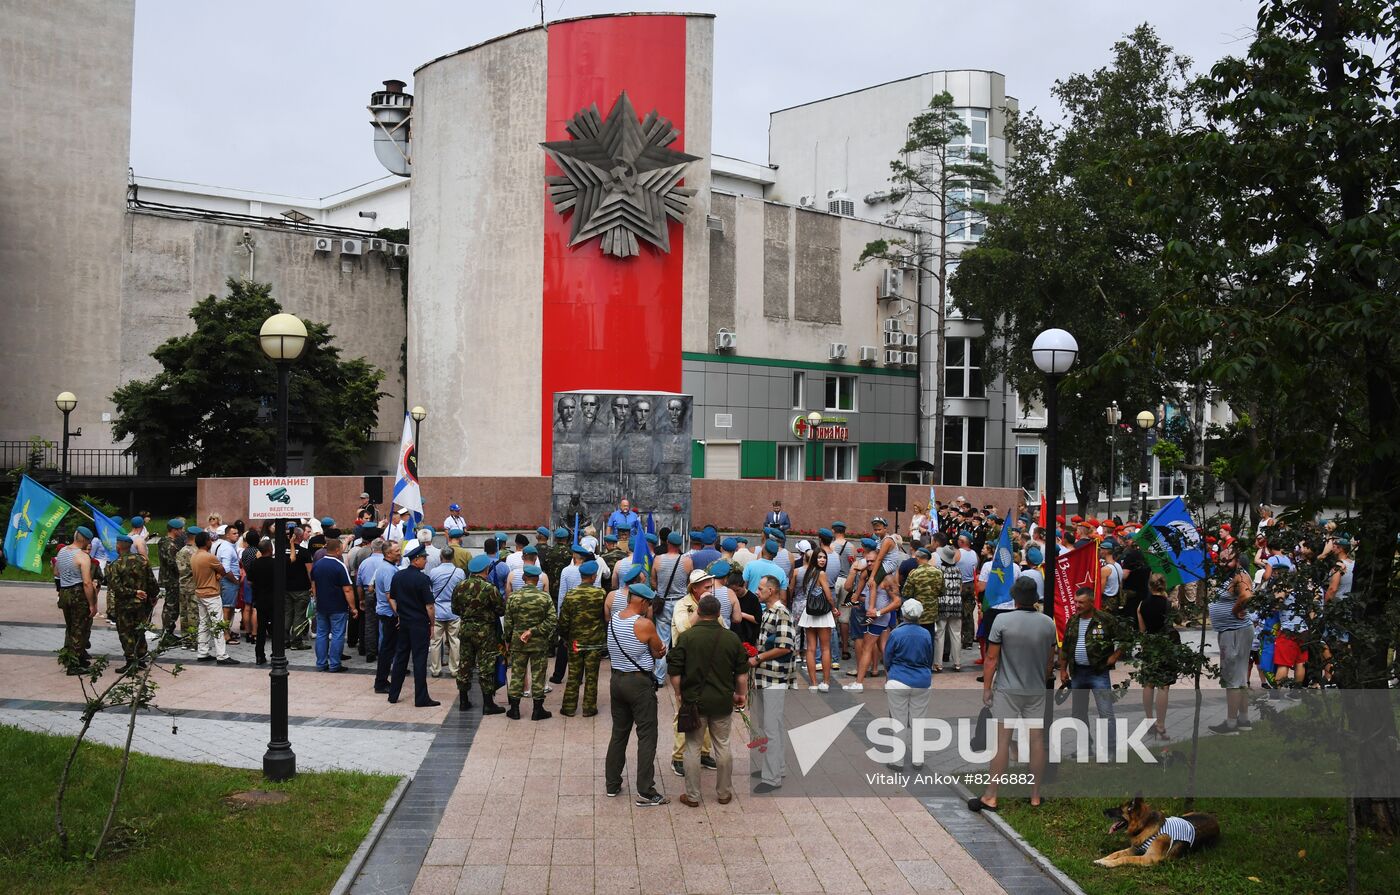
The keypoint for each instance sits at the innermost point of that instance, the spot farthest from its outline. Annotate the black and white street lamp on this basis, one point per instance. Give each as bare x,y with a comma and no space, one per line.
1113,416
1054,352
1145,421
66,402
283,339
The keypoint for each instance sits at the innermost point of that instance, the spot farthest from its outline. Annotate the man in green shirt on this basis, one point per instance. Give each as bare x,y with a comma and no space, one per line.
708,668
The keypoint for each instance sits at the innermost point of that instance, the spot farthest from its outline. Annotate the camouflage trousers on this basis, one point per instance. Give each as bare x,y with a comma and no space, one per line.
583,666
189,613
130,617
536,661
77,621
169,608
479,653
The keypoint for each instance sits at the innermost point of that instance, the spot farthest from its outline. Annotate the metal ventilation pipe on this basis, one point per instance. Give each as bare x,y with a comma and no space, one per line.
391,116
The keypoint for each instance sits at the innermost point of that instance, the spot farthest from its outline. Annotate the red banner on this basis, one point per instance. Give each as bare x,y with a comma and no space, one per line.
1074,569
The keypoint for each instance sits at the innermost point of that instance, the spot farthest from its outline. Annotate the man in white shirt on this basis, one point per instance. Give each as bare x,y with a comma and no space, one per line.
399,531
454,519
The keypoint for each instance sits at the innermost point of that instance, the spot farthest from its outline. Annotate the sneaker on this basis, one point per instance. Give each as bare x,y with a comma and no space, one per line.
823,687
835,666
763,789
1241,724
229,660
1224,728
614,793
850,672
651,800
679,768
794,686
205,659
857,687
708,763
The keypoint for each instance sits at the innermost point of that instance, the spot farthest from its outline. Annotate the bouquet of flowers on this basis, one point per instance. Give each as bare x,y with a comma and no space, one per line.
755,742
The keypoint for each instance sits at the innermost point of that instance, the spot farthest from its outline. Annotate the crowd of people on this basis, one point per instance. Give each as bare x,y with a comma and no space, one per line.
720,619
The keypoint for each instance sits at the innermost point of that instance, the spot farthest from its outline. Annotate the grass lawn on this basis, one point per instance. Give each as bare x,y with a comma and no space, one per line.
1267,846
178,832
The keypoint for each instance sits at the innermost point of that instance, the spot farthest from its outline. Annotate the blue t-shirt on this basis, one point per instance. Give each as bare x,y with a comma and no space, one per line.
329,578
909,656
382,579
619,521
758,569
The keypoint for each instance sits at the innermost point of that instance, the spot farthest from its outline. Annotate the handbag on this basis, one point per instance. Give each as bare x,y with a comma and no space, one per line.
688,717
817,602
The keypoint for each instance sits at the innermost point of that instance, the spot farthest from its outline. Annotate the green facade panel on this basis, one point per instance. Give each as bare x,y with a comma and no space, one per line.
758,459
697,460
873,453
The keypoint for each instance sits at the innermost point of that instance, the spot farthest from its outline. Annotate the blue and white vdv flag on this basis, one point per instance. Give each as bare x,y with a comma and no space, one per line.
932,520
1002,573
406,492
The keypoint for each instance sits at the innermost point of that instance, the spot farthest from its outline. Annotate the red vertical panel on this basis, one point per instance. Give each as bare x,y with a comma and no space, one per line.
610,323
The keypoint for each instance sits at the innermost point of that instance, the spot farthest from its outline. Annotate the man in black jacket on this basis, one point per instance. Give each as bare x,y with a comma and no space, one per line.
411,596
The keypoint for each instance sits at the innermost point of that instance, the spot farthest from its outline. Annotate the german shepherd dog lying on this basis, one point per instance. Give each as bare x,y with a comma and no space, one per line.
1154,836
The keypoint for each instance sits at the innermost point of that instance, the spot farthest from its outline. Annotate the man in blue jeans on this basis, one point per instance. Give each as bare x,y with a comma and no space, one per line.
1088,653
335,604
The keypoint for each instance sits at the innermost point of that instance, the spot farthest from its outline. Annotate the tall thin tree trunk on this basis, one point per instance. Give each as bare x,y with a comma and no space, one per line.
136,700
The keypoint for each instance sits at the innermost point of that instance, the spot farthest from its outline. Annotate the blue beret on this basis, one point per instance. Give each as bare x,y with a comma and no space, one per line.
772,532
742,540
696,536
652,538
838,526
478,563
674,538
588,569
454,532
123,539
825,533
500,537
542,532
633,572
195,530
641,590
869,543
175,523
965,534
708,537
580,550
118,520
531,550
84,531
609,539
1108,544
771,547
729,544
561,532
137,522
327,522
924,553
416,551
1034,556
719,568
532,571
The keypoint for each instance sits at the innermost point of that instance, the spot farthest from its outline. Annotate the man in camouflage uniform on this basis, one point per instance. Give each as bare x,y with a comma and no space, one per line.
925,584
170,577
612,550
479,606
529,632
189,620
554,559
133,587
582,632
77,597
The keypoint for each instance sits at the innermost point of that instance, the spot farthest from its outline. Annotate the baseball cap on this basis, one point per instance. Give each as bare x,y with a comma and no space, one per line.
804,546
364,495
455,508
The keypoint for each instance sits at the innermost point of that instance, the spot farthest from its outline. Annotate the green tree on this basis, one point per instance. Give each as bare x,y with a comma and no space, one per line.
1281,213
1067,247
934,180
212,405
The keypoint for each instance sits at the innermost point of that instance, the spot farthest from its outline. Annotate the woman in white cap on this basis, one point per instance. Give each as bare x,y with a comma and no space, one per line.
909,663
812,587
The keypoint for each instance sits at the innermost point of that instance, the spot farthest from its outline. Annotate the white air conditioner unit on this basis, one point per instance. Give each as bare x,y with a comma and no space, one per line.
379,245
869,354
726,340
891,325
837,202
911,340
894,357
806,201
323,243
837,350
911,358
892,283
400,250
894,340
352,246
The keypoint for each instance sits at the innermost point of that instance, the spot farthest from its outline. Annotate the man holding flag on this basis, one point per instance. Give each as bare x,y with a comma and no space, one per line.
995,579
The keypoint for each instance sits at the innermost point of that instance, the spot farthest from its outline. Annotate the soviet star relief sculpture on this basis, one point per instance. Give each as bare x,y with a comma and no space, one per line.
620,179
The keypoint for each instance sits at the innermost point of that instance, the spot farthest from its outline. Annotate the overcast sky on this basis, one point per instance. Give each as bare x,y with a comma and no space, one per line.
270,95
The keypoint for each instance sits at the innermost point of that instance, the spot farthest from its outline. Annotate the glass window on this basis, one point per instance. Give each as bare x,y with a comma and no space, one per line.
962,374
1028,468
799,390
790,462
839,463
974,142
964,451
840,393
965,223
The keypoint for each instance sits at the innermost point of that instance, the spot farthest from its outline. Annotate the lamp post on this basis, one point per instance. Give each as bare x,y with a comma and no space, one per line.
1113,416
66,402
1145,421
283,339
419,413
1054,352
